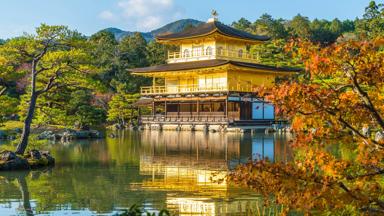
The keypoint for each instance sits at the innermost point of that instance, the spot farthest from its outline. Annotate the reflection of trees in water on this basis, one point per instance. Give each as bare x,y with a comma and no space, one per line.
20,179
23,186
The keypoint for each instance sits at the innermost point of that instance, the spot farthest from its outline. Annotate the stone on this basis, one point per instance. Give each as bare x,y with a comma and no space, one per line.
15,164
95,134
35,154
7,155
68,135
44,160
80,135
379,136
49,135
11,137
47,155
118,126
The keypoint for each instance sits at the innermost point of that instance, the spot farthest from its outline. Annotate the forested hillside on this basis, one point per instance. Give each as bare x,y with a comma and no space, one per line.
173,27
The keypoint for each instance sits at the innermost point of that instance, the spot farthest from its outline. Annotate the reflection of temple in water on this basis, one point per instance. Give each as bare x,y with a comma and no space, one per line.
196,164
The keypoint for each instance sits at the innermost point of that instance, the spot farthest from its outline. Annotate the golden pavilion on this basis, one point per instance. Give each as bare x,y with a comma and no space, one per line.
211,82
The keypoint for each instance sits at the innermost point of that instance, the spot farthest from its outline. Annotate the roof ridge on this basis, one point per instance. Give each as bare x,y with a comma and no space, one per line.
212,27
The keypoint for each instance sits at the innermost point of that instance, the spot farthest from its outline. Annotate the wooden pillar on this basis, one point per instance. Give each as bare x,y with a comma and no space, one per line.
178,109
198,107
165,108
153,108
226,107
139,116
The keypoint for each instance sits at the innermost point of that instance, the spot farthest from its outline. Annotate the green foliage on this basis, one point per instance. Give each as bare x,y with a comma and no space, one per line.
121,108
266,25
273,53
372,24
318,31
114,58
10,71
71,108
8,107
34,143
156,53
243,24
299,27
89,116
94,65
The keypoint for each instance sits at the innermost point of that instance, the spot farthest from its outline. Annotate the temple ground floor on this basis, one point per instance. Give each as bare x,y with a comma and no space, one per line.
237,113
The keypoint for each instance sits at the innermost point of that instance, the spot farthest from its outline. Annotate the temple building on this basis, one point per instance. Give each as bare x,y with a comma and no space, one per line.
211,82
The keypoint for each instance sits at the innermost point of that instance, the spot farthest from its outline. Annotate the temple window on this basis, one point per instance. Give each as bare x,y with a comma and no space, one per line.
208,51
186,53
220,51
240,54
197,51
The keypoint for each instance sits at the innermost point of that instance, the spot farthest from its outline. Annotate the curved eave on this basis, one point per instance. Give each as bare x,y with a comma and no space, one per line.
178,40
189,67
178,71
267,68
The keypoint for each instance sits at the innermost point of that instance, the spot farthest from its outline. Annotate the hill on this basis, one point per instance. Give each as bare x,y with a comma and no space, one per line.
176,26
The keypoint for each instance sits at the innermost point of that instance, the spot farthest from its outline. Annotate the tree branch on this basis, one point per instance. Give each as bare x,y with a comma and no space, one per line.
3,90
364,97
5,86
50,82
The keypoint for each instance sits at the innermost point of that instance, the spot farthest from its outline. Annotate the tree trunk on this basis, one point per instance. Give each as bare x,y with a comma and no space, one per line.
27,125
20,149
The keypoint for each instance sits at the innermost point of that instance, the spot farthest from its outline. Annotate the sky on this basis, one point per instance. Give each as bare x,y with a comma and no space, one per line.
90,16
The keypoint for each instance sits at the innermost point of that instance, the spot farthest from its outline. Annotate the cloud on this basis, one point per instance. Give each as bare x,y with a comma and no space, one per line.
150,22
143,15
108,16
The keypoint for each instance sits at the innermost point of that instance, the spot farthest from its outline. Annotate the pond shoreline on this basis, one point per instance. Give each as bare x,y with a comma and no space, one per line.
14,130
34,159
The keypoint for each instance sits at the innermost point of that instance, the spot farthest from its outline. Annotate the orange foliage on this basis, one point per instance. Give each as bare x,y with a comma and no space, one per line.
340,92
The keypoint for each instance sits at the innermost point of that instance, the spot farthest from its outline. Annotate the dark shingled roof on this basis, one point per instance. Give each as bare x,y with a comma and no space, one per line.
211,27
207,64
143,102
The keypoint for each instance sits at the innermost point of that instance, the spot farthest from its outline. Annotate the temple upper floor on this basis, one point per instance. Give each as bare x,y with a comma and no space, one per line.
212,49
212,40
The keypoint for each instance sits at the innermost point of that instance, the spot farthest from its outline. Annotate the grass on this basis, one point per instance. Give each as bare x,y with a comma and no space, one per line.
11,125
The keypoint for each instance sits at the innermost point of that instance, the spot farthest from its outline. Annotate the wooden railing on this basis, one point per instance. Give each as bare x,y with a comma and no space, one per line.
152,90
185,118
206,54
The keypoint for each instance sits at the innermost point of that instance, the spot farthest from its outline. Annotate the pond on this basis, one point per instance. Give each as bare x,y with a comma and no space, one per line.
180,171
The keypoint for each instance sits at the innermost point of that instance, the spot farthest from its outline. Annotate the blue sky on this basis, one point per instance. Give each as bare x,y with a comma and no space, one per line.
89,16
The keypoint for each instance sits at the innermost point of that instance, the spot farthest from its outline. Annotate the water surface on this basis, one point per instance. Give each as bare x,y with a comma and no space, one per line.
180,171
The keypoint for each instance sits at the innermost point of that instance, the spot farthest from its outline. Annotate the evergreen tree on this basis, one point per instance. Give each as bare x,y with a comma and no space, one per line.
243,24
372,24
299,27
266,25
55,57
